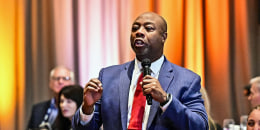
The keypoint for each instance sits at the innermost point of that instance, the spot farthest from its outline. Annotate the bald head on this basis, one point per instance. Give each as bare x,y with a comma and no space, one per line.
162,22
149,33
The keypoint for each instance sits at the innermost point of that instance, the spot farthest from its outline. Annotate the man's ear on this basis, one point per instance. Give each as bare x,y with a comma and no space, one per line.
164,37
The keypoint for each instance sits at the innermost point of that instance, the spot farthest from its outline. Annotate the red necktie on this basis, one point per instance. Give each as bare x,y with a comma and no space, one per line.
137,107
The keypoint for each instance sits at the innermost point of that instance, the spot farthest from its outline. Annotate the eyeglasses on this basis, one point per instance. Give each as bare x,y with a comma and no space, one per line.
66,78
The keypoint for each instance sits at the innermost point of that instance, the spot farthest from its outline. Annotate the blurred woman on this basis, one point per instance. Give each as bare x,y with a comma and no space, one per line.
253,121
70,99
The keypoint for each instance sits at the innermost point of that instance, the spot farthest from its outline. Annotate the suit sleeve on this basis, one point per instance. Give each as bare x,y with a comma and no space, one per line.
94,123
187,111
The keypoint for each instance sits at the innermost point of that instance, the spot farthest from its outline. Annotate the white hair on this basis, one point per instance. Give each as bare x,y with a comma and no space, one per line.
72,75
256,80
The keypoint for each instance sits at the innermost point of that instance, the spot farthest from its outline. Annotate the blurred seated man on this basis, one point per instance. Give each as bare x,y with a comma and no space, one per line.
253,121
45,113
254,96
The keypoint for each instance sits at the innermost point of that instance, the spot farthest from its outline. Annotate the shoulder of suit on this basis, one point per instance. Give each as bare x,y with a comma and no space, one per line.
180,69
43,103
124,65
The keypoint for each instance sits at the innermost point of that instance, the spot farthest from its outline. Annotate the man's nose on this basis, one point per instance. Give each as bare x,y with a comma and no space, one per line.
140,33
61,80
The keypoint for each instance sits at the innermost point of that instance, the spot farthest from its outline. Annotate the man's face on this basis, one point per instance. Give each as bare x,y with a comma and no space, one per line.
147,36
254,96
60,78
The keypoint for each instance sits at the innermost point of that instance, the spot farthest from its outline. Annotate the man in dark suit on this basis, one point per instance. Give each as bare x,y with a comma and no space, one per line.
175,91
44,114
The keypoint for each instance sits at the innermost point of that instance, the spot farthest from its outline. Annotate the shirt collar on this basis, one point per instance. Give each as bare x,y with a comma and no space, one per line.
155,66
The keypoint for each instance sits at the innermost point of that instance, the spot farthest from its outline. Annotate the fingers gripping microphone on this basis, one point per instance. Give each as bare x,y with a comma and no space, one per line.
146,63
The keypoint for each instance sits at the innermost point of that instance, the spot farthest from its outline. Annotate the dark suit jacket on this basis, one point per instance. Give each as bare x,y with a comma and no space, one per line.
185,112
38,112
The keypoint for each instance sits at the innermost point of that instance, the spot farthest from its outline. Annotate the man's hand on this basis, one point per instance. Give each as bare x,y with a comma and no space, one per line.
92,93
152,86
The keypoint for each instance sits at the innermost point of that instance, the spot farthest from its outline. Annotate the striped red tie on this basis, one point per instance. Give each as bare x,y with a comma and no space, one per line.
137,107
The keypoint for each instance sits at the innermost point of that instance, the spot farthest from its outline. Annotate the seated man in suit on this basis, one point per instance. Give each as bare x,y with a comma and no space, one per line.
117,99
44,113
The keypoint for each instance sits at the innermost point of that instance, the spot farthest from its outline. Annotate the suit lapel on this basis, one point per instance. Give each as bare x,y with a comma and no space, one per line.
165,78
125,80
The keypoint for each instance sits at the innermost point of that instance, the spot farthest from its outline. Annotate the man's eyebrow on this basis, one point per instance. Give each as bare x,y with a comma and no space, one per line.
146,23
136,23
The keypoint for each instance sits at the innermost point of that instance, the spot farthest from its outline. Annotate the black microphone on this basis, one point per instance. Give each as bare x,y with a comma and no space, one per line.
146,63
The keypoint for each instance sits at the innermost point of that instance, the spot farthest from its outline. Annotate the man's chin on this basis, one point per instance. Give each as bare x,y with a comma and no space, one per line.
57,91
142,54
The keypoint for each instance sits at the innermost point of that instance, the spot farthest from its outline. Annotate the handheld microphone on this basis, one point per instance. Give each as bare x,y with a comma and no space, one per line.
146,63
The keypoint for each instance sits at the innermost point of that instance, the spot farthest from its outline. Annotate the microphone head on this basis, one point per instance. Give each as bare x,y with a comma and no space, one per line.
146,62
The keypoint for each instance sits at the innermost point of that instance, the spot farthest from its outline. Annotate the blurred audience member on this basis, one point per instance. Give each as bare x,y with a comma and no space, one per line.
211,122
253,121
254,96
70,98
43,114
